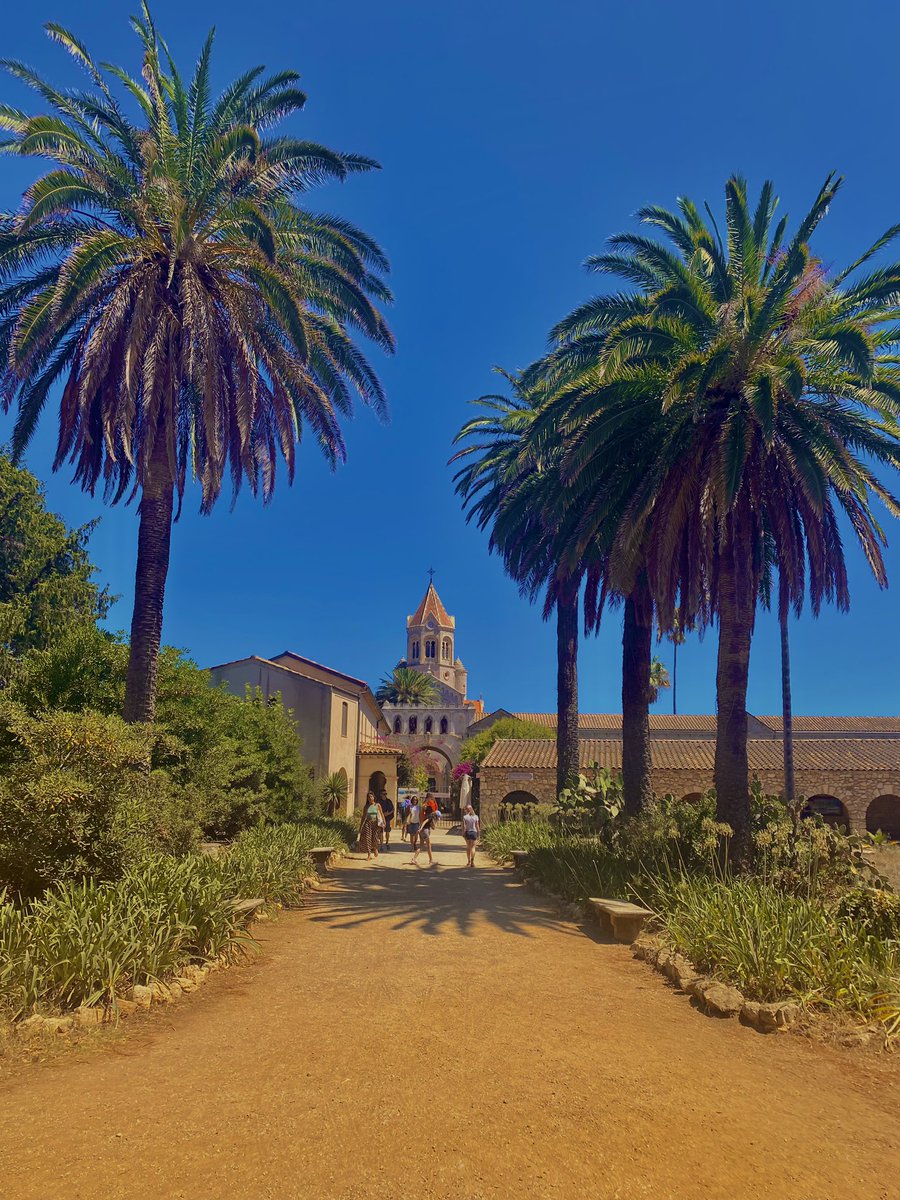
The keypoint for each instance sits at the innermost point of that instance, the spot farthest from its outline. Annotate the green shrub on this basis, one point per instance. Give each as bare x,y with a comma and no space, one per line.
773,944
86,942
75,797
874,910
500,840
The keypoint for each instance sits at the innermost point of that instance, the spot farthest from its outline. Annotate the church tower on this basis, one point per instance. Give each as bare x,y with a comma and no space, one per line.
431,642
439,728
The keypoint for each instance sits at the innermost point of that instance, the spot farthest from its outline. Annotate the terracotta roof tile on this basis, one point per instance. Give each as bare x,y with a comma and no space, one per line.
377,748
431,606
698,754
701,722
836,724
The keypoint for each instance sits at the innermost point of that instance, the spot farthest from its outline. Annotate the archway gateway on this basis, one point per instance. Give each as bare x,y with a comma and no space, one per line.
829,808
883,816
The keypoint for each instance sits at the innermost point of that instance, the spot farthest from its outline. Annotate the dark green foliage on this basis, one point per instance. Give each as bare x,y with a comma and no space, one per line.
46,584
78,799
233,761
475,749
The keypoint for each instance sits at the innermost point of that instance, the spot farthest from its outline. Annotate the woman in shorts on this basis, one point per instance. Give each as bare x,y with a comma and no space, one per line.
471,830
425,827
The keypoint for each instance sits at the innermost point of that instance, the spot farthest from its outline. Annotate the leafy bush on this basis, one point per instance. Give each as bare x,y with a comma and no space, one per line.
592,803
475,748
874,910
77,799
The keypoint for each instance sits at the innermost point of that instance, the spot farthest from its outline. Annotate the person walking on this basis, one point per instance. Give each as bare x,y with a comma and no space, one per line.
412,822
471,830
387,809
403,813
426,825
370,826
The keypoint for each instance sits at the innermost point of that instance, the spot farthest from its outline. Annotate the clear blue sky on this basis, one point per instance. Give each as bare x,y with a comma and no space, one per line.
514,138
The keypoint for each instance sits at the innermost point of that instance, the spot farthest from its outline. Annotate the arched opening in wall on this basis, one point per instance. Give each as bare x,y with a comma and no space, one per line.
413,724
444,725
829,808
517,806
377,784
445,650
398,725
692,798
429,724
883,816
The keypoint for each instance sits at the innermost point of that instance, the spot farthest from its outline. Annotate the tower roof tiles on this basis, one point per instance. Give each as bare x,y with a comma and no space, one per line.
431,606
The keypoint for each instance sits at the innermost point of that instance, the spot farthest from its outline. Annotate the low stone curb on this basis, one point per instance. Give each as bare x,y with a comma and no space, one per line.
716,998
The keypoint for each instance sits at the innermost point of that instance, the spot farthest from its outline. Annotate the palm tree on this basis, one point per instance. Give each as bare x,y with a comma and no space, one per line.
598,491
510,482
779,389
406,685
659,678
676,636
334,792
165,274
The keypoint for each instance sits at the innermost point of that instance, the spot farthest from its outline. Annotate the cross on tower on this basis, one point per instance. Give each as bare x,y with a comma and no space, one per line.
431,573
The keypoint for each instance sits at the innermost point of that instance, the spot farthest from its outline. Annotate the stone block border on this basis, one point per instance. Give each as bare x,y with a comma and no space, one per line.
714,997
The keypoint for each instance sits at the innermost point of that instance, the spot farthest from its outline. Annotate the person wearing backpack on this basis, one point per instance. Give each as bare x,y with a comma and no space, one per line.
403,814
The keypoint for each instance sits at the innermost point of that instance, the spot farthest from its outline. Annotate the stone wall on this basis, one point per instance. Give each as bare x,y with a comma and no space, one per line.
855,789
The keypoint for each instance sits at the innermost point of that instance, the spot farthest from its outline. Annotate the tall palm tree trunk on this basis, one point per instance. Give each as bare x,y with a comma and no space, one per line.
154,538
637,640
736,604
567,686
786,708
674,679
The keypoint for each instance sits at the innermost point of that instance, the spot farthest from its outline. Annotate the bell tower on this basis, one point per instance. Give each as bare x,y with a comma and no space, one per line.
431,641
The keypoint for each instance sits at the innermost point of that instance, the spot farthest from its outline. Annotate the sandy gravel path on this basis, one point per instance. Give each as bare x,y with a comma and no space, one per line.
440,1033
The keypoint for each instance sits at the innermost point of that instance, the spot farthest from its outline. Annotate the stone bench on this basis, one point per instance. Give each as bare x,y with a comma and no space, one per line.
519,857
321,856
246,908
620,918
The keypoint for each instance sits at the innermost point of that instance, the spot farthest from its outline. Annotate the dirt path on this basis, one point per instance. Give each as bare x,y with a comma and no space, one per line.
440,1033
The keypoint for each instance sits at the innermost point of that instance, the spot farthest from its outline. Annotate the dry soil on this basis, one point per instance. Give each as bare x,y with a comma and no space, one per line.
440,1032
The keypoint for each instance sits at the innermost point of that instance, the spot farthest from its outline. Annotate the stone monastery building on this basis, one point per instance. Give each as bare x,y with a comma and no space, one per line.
440,729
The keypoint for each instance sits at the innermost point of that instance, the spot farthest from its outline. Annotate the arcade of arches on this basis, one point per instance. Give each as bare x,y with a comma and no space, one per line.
860,800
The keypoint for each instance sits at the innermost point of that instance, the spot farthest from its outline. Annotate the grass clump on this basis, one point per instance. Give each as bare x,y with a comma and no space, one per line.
773,944
88,941
500,840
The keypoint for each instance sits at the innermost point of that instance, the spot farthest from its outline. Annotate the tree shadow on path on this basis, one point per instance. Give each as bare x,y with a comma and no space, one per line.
447,898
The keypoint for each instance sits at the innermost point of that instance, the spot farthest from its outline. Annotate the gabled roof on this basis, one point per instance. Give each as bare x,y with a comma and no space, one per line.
689,722
698,754
842,725
431,606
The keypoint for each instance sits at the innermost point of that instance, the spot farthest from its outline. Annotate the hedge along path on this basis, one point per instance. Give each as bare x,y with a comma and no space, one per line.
441,1033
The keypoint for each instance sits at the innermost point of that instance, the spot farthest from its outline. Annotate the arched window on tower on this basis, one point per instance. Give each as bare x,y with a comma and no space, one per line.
413,724
429,725
415,651
445,650
398,725
430,647
445,725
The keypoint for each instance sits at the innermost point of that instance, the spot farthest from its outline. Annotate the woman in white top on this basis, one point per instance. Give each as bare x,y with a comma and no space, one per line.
471,830
412,823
